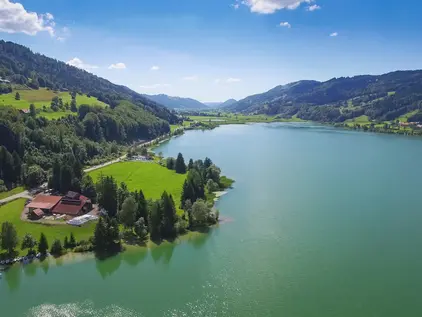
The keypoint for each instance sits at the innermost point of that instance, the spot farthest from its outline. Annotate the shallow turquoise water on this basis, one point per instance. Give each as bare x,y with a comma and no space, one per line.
320,222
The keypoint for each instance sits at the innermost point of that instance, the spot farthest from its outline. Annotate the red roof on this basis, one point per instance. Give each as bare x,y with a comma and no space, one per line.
71,207
44,202
38,212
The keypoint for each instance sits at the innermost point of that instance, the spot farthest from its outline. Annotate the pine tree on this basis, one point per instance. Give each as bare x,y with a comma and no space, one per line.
43,244
190,165
180,165
142,211
155,220
66,243
72,240
169,216
17,96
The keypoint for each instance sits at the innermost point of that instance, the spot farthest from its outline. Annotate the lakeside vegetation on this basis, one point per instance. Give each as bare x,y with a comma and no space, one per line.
179,198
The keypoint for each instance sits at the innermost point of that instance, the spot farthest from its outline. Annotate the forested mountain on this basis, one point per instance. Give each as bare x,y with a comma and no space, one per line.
221,104
227,103
177,102
34,149
21,66
383,97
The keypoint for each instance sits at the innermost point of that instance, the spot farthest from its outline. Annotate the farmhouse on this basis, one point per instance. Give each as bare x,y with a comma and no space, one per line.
73,204
44,203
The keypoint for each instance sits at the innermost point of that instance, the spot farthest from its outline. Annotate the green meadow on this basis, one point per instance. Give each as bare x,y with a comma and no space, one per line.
42,97
12,211
152,178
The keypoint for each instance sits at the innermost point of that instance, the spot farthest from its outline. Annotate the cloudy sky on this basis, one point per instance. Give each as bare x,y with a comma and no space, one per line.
213,50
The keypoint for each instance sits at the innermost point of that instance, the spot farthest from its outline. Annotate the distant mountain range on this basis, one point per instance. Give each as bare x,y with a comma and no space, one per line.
181,103
177,102
383,97
220,104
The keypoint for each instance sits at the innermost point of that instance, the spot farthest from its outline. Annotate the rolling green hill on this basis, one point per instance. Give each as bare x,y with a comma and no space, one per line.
384,97
20,66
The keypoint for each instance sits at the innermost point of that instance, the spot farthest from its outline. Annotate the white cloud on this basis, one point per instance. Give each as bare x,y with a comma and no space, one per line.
285,24
334,34
61,39
191,78
271,6
117,66
313,7
15,19
230,80
78,63
155,68
235,6
154,86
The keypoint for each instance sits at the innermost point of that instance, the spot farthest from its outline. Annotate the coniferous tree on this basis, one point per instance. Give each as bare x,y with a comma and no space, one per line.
169,216
107,194
190,165
17,96
72,240
155,220
43,244
142,211
180,165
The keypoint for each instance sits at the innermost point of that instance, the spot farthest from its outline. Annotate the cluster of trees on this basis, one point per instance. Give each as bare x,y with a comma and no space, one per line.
10,167
177,164
32,146
203,176
21,66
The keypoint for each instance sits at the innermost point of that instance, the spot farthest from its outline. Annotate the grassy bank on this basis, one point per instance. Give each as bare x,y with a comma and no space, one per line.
12,211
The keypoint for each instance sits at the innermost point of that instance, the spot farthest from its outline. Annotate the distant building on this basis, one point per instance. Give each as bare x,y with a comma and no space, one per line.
24,111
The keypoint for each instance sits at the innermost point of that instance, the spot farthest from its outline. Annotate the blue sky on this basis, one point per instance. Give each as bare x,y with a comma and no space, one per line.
213,50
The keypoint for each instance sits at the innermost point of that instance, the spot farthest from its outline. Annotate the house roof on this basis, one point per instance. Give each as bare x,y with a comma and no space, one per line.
38,212
44,202
71,207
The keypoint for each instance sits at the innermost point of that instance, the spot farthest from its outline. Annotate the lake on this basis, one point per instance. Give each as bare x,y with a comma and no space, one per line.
321,222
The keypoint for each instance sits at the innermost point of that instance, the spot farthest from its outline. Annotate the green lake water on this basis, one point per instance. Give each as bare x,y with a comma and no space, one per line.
320,223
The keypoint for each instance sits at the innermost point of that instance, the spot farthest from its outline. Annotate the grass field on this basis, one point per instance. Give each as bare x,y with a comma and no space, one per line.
14,191
42,97
152,178
11,212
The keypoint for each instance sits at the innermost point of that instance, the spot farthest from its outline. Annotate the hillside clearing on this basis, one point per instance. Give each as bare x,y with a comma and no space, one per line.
42,97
